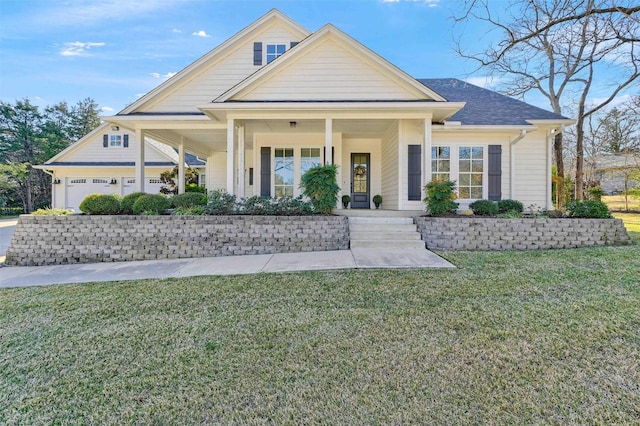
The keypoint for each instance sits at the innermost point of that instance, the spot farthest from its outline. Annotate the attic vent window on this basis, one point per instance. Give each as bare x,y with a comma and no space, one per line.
275,50
115,141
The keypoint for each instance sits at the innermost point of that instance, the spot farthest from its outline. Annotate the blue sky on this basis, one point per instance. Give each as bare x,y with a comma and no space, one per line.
116,50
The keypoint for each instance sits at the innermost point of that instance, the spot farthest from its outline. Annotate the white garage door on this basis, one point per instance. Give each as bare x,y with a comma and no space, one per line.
151,185
78,188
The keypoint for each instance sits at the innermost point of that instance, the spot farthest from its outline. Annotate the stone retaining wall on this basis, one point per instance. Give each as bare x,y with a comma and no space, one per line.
49,240
519,234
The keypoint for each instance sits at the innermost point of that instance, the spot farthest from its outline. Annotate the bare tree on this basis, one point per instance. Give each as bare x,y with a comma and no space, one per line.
562,48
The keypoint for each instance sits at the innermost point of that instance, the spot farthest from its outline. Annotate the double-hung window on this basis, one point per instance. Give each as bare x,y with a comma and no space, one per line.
275,50
470,172
440,163
309,158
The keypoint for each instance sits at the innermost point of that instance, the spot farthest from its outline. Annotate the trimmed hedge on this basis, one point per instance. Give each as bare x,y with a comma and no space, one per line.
151,204
129,200
189,199
484,208
505,206
101,204
588,209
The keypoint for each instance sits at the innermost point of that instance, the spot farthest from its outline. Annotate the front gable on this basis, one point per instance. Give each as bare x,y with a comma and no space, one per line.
330,66
221,68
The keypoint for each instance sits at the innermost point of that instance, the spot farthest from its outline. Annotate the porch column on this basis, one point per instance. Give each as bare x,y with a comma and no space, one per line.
140,160
181,166
328,141
240,191
230,155
427,142
550,138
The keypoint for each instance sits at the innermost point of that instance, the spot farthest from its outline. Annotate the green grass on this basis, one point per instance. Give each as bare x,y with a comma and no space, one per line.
549,337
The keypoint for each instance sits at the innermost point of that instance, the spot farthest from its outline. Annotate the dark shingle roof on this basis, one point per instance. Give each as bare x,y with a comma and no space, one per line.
193,161
486,107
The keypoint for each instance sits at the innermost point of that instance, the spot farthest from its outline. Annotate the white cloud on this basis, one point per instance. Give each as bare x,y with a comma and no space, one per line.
164,77
176,30
201,33
78,48
107,109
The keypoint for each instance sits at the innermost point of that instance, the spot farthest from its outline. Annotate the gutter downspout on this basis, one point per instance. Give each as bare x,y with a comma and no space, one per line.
512,164
53,190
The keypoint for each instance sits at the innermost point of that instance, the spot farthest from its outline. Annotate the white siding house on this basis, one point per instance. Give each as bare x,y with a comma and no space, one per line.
276,98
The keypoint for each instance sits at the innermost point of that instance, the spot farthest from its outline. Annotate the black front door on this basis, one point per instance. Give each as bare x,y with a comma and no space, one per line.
360,181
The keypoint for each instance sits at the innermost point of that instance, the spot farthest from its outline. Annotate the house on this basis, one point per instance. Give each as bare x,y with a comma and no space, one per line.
104,162
276,99
616,172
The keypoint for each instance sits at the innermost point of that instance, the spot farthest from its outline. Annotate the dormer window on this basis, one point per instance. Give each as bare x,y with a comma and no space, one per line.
275,50
115,141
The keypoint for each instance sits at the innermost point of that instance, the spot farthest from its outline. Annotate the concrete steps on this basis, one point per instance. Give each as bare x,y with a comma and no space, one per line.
384,232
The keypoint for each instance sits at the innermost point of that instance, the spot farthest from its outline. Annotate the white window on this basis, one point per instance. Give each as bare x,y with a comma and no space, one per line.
115,141
309,158
470,172
440,163
275,50
283,171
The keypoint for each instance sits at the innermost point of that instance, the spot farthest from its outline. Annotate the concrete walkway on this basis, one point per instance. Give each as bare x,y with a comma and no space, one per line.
357,258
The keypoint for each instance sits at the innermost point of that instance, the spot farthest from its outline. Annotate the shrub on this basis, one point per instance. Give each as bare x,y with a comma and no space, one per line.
484,208
51,212
588,209
505,206
377,199
151,203
189,199
128,200
555,214
511,214
289,206
220,202
440,196
319,185
101,204
191,211
256,205
596,193
11,211
346,198
192,187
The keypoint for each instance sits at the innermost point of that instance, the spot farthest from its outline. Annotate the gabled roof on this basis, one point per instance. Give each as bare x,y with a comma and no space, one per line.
486,107
213,55
420,92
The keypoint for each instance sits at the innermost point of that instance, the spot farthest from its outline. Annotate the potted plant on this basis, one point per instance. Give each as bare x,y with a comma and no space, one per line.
377,200
346,199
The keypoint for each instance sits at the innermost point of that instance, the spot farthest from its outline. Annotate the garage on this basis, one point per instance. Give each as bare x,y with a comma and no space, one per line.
78,188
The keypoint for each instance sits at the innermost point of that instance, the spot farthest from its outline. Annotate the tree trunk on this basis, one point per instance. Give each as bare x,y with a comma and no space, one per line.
579,159
557,150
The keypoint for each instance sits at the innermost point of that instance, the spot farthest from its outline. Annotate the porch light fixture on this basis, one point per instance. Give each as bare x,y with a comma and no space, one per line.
293,124
56,181
115,128
113,181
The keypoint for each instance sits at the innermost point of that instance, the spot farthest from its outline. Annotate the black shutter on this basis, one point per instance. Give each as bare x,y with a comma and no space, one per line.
414,169
293,44
105,141
257,53
333,155
265,171
125,142
495,172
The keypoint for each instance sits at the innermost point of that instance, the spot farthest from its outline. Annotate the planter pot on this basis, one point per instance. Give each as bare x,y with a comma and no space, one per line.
345,205
377,205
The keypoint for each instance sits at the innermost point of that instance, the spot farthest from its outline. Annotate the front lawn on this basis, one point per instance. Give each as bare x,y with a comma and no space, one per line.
509,337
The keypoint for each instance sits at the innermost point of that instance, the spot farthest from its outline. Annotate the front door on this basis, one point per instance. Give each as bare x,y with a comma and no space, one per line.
360,181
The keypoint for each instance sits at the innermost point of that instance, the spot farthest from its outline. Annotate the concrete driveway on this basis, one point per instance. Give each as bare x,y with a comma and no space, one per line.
7,226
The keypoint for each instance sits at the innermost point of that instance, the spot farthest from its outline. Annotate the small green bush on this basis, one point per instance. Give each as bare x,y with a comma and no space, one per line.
192,187
191,211
11,211
484,208
440,196
52,212
596,193
189,199
220,202
511,214
101,204
128,200
151,203
588,209
319,185
377,198
289,206
505,206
